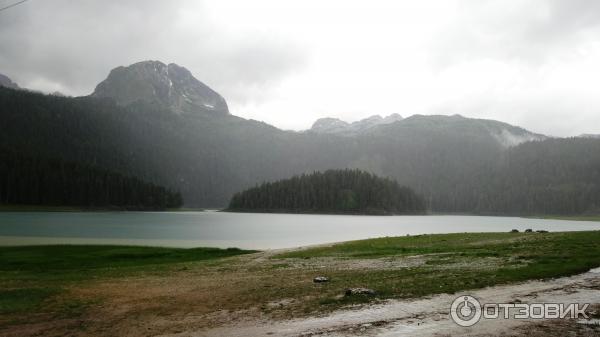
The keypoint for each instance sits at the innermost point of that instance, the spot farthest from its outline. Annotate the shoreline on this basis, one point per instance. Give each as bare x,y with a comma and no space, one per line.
77,209
74,209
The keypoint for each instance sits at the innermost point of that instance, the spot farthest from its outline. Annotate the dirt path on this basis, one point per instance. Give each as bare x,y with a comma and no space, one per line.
423,317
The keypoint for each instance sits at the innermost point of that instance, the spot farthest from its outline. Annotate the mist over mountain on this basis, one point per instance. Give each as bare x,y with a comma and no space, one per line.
7,82
505,134
160,124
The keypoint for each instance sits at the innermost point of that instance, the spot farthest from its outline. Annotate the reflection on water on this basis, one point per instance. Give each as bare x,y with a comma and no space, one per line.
252,231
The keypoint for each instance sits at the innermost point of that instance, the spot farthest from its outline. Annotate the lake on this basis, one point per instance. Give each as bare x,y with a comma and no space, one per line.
244,230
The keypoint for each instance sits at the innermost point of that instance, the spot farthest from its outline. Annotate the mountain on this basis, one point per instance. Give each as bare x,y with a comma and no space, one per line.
337,126
589,135
505,134
457,164
7,83
169,86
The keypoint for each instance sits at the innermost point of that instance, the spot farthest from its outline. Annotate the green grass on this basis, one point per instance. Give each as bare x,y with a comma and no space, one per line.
23,299
473,243
465,244
31,275
47,280
75,258
455,262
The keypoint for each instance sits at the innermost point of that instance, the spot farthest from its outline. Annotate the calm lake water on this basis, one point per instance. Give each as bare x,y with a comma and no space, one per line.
252,231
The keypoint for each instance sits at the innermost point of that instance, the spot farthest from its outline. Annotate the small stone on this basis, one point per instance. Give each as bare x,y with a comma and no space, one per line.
320,279
359,291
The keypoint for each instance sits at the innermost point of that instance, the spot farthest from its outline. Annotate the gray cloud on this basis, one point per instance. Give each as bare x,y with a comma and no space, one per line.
72,45
528,31
527,62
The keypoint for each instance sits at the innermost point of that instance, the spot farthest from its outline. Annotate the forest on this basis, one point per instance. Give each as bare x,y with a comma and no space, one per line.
556,176
52,182
456,163
333,191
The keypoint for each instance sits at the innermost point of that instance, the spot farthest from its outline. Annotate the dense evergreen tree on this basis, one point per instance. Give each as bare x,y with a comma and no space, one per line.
332,191
38,181
556,176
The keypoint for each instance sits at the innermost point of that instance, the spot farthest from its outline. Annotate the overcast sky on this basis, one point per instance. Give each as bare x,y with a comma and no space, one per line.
533,63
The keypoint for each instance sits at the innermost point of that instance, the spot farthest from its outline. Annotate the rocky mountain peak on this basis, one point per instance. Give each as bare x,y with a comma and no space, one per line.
329,125
7,82
337,126
171,86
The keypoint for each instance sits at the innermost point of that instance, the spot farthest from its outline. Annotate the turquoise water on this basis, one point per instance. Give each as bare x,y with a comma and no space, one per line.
252,231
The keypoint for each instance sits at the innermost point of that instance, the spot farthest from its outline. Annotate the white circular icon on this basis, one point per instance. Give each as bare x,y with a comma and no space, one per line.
465,310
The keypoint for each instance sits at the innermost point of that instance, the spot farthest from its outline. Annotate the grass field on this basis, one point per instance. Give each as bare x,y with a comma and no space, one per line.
460,261
52,283
31,275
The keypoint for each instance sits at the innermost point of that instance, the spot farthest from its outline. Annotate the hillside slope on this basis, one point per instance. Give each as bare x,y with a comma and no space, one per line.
458,164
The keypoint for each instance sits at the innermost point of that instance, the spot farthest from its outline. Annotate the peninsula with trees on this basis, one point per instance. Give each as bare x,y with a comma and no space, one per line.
344,191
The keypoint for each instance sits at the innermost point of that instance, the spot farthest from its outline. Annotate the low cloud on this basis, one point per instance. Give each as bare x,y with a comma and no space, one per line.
70,46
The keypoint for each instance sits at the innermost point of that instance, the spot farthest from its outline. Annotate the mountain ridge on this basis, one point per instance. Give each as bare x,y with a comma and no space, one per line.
337,126
458,164
505,134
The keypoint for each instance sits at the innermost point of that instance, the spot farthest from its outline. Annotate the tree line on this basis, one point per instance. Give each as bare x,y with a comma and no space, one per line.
332,191
556,176
39,181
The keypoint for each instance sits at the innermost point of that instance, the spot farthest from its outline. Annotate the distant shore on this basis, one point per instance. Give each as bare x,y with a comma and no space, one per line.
319,212
568,217
42,208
